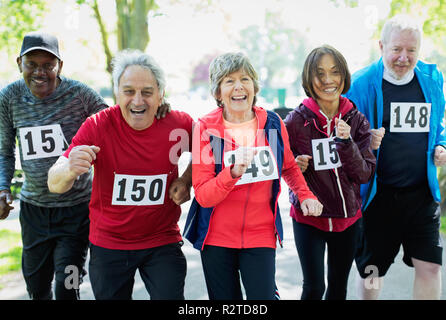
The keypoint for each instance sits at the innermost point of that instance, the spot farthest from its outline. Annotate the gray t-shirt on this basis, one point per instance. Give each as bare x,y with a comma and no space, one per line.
44,129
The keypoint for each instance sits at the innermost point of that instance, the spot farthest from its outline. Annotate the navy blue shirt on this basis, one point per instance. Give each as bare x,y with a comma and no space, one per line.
402,155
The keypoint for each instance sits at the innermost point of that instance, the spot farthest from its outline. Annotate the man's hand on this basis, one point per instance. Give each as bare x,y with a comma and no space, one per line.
377,136
302,161
163,109
440,156
311,207
179,191
81,158
5,201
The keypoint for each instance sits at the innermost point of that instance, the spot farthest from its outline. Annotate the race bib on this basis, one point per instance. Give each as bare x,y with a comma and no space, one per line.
133,190
409,117
325,155
263,166
42,142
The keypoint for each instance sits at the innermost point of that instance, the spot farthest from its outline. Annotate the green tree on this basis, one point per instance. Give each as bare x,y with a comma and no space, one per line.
17,18
275,50
432,13
132,27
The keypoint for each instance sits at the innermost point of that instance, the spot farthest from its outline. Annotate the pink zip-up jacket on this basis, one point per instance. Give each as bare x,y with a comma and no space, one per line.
242,215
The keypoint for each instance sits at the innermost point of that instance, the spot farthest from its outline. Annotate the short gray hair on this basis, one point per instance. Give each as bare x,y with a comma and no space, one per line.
401,22
226,64
127,58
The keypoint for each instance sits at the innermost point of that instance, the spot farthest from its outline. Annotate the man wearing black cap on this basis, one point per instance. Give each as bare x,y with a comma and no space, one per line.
43,111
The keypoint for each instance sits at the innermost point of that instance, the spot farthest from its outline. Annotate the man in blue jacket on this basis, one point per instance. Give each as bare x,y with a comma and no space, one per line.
403,100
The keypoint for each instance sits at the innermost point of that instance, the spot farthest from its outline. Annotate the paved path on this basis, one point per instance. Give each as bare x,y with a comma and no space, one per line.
397,286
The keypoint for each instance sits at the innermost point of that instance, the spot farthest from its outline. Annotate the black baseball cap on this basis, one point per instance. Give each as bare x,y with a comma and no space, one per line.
40,41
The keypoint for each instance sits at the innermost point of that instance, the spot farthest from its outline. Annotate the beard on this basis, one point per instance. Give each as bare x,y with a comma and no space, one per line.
399,78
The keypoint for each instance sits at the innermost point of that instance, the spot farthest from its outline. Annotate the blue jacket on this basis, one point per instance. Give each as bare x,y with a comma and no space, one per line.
366,93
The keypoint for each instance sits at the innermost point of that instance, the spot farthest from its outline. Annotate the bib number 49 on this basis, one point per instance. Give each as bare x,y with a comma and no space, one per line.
263,167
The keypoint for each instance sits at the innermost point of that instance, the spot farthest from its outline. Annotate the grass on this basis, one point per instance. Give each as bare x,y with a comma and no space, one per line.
10,251
443,225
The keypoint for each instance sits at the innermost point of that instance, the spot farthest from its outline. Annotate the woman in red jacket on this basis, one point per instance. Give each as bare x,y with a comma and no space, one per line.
330,139
251,150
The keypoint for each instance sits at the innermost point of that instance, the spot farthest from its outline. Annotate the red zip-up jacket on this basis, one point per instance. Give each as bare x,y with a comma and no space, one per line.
337,189
242,216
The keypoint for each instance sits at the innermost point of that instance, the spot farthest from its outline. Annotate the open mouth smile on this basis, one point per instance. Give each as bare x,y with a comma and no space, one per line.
137,111
239,98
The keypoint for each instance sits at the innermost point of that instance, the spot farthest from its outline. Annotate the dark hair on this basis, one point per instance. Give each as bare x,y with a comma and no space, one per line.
310,67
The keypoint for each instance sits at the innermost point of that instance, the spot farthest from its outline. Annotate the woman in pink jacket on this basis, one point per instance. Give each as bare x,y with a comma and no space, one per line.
239,153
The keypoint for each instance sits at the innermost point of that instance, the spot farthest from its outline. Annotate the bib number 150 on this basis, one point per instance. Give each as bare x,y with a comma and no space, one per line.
132,190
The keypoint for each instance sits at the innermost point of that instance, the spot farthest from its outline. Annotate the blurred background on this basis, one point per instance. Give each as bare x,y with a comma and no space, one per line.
184,36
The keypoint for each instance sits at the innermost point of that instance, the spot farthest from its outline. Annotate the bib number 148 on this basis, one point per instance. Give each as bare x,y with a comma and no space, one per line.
409,117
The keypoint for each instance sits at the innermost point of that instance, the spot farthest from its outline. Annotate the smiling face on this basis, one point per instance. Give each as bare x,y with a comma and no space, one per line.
138,97
40,71
400,52
328,83
237,93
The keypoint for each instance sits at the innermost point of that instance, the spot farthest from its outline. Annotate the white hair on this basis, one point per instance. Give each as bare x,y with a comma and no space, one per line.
401,22
129,58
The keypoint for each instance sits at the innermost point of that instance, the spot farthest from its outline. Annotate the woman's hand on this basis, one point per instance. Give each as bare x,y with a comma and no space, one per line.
303,161
311,207
342,129
243,158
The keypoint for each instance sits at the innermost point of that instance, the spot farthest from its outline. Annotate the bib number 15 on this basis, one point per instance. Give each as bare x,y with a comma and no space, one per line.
325,155
131,190
42,142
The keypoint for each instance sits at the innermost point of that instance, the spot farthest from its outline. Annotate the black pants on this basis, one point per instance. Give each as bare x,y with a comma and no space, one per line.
341,247
162,269
55,243
223,267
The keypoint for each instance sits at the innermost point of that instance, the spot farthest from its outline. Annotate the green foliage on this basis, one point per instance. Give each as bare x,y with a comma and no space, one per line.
443,225
274,50
17,182
10,251
433,13
18,17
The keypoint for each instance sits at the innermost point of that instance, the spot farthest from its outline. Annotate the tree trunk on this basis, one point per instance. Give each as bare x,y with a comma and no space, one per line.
132,26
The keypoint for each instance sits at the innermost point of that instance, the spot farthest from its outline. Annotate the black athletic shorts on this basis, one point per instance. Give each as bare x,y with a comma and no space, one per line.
53,238
399,216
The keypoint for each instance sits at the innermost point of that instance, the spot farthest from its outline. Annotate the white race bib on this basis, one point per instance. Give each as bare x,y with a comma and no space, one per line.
42,142
325,155
133,190
263,166
409,117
